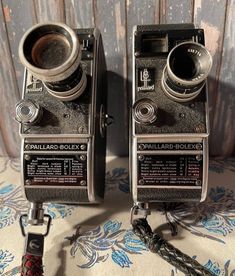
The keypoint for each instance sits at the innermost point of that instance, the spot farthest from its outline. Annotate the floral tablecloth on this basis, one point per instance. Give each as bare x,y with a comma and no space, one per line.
105,244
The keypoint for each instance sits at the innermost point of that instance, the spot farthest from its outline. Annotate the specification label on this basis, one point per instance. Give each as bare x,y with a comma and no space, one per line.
66,170
177,170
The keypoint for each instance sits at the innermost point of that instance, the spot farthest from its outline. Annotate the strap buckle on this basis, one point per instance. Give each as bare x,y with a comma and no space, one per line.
140,210
23,226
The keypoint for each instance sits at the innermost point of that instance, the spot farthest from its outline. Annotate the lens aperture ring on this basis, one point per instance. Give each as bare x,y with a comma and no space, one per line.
179,92
71,94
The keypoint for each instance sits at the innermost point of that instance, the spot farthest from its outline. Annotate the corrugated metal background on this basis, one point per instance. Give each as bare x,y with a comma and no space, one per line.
115,19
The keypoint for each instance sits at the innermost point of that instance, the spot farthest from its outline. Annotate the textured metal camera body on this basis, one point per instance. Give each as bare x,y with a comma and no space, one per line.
63,155
169,158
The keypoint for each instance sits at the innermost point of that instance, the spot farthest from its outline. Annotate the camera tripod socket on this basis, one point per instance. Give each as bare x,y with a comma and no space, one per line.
52,53
188,65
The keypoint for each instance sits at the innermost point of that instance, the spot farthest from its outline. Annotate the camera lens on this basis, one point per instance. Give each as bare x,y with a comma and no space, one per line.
188,65
145,111
52,53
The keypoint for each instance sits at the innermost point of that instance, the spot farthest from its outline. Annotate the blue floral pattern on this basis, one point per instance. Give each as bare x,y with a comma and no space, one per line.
118,178
216,214
96,245
5,259
12,204
56,210
214,267
213,219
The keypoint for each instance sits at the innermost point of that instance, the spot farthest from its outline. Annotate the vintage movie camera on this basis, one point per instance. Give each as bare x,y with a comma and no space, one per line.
62,115
169,120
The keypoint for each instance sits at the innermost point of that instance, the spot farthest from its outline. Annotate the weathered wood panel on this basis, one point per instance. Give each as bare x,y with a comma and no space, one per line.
223,135
3,151
110,18
16,25
79,14
115,19
211,15
9,93
175,11
139,12
49,10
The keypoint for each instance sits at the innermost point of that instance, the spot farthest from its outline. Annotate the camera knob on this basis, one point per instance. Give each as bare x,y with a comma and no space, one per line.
145,111
28,112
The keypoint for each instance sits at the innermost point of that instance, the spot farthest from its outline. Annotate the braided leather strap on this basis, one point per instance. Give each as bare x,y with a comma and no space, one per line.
167,251
31,265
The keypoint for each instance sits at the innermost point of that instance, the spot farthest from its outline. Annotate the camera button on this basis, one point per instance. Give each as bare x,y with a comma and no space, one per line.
28,112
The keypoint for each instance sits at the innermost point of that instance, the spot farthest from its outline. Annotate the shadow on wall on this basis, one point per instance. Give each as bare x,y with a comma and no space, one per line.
117,133
222,114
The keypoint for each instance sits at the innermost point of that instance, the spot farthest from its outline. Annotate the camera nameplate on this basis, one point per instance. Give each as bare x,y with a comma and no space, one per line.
169,170
55,169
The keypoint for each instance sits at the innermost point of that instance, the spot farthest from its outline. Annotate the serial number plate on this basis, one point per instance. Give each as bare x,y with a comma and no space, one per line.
175,170
68,170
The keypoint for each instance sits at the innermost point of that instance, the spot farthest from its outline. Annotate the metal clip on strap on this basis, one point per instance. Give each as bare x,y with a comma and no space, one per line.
168,252
32,260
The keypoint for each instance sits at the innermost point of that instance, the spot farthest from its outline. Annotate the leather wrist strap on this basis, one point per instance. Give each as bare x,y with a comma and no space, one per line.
168,252
31,265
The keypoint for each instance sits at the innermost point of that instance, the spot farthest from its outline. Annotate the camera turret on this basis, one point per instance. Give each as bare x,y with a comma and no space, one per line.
52,53
188,65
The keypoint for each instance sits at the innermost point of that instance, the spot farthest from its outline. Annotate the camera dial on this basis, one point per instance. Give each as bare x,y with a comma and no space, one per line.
28,112
188,65
145,111
52,53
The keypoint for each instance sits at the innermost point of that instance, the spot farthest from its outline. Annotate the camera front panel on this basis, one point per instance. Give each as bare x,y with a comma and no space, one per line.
169,144
63,147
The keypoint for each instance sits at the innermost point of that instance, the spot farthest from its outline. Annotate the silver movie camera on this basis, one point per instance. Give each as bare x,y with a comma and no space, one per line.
62,115
169,114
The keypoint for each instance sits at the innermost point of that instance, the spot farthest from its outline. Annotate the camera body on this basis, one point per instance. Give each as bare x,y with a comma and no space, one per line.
62,123
169,115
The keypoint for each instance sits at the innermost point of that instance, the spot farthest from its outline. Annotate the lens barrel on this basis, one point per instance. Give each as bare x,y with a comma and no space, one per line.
52,53
188,65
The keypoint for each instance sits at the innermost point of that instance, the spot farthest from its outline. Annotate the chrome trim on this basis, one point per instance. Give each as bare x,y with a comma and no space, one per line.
22,171
168,187
58,152
75,187
173,135
205,170
134,171
163,139
167,152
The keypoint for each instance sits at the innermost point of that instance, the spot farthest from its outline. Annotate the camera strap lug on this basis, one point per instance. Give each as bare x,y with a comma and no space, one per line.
139,210
109,120
156,244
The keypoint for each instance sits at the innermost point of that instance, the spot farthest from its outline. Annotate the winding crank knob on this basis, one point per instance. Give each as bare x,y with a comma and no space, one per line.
28,112
145,111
